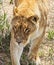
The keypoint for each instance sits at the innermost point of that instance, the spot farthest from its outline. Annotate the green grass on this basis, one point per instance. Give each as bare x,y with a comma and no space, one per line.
4,22
51,34
1,1
4,32
11,1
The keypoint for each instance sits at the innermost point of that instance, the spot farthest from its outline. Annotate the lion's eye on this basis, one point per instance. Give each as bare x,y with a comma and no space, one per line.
34,19
27,30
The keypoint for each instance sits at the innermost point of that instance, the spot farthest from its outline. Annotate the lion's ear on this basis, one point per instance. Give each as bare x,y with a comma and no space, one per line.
33,18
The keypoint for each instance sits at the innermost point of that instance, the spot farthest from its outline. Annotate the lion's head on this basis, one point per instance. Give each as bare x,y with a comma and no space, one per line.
23,27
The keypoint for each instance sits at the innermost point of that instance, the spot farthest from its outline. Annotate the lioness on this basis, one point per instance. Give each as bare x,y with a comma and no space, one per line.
28,26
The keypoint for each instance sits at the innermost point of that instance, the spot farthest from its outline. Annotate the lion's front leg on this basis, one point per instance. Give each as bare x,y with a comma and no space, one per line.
33,53
16,52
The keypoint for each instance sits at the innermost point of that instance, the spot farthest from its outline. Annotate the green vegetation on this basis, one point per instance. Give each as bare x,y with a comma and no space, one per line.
50,51
4,32
41,53
3,22
11,1
50,34
1,1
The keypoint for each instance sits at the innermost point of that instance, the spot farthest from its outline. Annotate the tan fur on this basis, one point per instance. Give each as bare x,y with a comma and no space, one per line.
28,25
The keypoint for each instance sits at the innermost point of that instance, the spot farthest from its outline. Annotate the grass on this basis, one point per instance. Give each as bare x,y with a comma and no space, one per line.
51,34
4,22
4,32
41,53
1,1
11,1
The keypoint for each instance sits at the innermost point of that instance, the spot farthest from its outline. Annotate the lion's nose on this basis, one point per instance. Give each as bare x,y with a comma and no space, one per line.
19,40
